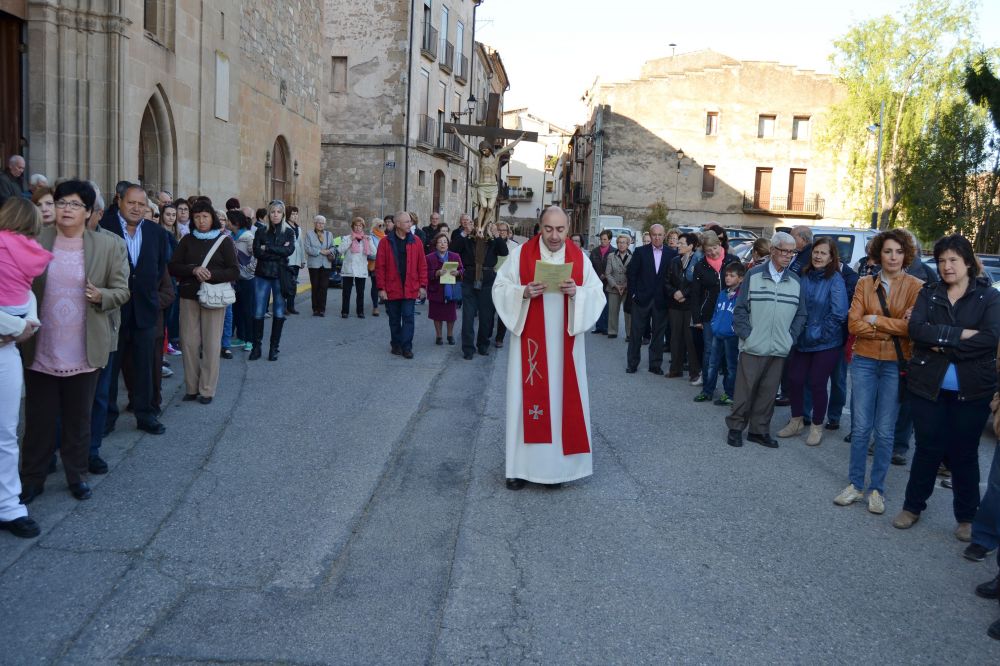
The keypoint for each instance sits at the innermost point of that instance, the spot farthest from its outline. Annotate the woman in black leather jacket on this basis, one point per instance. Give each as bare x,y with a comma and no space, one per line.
680,274
952,376
272,245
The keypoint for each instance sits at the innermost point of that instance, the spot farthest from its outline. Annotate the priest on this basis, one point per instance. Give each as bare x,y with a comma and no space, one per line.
548,409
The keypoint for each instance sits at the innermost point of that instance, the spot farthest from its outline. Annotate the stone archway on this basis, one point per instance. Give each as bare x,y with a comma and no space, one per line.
157,163
280,181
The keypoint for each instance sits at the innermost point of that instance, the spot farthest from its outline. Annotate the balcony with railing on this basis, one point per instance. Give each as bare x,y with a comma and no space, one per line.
520,193
427,135
429,44
462,75
446,55
449,145
803,205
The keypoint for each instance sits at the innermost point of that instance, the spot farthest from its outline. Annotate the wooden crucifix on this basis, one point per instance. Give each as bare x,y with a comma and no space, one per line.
487,185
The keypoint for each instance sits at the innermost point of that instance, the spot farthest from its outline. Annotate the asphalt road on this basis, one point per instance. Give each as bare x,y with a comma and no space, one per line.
347,506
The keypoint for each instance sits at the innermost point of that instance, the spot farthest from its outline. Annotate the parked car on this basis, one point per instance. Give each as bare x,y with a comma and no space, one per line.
616,232
734,234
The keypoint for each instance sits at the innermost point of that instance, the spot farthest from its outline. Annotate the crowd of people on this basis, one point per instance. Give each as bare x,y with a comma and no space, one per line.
91,294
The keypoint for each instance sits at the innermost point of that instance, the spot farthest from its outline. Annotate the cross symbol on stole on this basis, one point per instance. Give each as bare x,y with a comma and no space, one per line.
535,413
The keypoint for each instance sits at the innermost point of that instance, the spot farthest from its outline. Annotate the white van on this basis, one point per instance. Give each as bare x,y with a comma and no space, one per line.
852,243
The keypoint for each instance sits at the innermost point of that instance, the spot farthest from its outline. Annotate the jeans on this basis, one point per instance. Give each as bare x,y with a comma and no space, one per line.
986,526
602,322
243,310
722,349
227,328
904,427
264,287
99,412
477,302
400,323
812,369
875,387
838,392
11,381
952,427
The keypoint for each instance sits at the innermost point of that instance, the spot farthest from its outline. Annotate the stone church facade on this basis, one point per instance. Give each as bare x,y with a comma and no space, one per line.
192,97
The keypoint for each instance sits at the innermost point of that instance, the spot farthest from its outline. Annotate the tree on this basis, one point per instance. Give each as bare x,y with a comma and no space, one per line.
983,89
905,63
658,214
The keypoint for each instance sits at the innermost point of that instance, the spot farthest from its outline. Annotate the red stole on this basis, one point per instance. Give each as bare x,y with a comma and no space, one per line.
534,363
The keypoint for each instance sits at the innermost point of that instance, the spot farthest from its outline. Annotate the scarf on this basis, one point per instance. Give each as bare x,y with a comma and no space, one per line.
361,242
211,234
534,363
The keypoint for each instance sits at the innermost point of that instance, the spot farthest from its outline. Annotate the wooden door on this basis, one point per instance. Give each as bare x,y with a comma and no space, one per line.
797,189
762,189
11,130
438,191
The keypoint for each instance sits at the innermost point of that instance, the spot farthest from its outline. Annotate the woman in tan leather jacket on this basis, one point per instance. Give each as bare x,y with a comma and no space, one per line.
881,347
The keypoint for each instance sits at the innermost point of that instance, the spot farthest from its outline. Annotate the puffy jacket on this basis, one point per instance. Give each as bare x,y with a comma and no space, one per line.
769,315
272,245
705,288
876,341
826,311
387,272
937,324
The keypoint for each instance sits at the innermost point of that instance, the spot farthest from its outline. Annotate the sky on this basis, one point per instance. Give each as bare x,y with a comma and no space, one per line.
554,49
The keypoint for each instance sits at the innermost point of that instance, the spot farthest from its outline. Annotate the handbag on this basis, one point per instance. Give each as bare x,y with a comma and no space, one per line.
900,359
215,296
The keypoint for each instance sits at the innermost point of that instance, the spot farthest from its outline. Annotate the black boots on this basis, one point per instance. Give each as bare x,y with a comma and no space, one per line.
258,336
276,326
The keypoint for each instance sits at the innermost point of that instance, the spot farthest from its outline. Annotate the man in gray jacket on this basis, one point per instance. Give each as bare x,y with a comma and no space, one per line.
768,317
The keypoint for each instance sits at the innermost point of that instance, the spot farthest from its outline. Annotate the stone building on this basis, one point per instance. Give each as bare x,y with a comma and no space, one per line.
713,138
529,179
192,97
393,78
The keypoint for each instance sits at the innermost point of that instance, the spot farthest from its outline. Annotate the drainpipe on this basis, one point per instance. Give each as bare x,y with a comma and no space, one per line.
598,161
406,113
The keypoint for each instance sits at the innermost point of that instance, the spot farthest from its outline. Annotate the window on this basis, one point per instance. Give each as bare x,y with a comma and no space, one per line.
800,128
549,186
459,41
454,186
765,126
158,21
221,86
708,179
338,79
712,123
444,24
422,178
514,181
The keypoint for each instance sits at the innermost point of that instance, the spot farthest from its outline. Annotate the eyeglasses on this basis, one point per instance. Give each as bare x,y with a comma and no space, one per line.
276,202
75,205
786,253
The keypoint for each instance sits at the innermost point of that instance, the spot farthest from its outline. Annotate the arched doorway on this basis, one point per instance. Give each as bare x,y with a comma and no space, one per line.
156,163
438,191
280,188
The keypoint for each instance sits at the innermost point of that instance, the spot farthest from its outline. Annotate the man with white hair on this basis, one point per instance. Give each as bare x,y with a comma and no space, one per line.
548,415
12,179
37,181
803,236
768,317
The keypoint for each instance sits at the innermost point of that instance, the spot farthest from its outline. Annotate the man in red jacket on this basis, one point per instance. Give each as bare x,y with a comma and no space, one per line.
401,274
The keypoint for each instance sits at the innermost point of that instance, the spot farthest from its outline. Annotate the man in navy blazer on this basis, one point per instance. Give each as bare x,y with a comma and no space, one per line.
647,286
148,246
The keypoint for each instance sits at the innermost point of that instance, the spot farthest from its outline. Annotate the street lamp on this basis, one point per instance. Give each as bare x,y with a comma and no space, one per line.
677,175
878,162
470,105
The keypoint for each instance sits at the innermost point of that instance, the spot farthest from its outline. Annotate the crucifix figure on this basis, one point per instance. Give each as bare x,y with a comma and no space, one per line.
487,185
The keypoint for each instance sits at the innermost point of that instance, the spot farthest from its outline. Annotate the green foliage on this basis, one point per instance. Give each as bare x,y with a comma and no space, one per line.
907,63
658,214
983,86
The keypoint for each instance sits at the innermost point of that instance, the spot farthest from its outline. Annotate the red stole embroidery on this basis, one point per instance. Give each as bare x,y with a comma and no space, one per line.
534,363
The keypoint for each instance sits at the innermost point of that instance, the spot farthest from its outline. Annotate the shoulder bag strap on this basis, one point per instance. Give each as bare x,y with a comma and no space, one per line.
885,310
208,257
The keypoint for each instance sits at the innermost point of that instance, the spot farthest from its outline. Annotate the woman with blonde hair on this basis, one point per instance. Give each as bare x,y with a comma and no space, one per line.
357,249
42,197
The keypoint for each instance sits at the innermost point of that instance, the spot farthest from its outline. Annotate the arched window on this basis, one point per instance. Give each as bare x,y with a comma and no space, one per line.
156,163
279,170
438,191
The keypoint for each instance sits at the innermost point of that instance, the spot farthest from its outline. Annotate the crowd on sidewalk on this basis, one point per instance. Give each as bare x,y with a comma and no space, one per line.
93,294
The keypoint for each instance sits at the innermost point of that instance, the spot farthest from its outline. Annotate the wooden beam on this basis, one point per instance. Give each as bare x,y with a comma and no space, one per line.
491,132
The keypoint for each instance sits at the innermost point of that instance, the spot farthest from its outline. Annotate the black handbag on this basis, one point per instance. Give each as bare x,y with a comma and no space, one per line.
900,359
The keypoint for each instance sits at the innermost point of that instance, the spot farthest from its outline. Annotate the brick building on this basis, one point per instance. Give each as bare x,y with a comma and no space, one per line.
713,138
193,97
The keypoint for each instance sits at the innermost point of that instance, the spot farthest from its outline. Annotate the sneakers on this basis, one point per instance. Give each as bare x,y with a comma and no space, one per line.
723,401
848,496
173,351
166,372
976,553
964,532
248,346
876,503
697,380
815,435
702,397
904,520
793,428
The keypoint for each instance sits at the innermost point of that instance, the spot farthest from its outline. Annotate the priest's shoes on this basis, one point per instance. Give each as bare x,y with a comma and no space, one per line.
552,486
515,484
